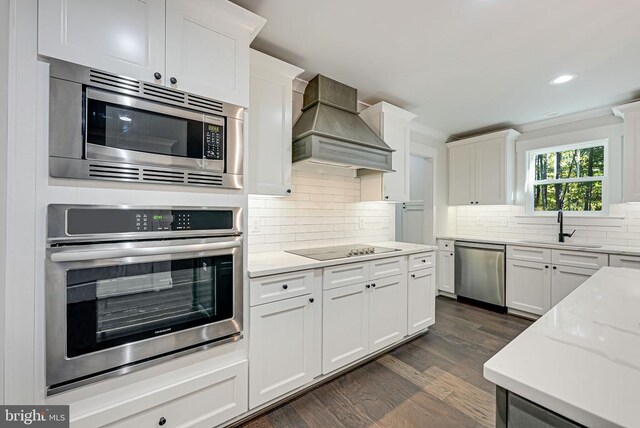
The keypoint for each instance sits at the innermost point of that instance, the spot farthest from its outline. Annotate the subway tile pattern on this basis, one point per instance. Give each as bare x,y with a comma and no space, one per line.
621,227
323,210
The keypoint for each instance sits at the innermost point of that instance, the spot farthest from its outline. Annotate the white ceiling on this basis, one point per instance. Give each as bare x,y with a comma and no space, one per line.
463,65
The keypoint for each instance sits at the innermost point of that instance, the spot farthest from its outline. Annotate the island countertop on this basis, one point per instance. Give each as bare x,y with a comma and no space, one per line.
582,358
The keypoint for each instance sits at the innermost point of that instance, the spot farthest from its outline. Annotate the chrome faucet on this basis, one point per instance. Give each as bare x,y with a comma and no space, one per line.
562,235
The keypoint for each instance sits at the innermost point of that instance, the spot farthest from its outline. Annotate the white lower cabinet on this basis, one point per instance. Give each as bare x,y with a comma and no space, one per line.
387,311
345,326
446,271
204,401
421,300
528,286
565,279
629,262
281,349
536,286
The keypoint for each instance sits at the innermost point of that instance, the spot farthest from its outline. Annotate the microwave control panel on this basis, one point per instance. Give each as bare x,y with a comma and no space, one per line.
82,221
213,141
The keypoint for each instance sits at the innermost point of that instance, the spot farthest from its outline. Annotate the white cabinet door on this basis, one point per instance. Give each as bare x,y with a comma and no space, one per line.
421,299
270,122
631,168
345,326
281,347
396,184
387,311
446,271
490,172
462,174
528,286
565,279
207,51
126,37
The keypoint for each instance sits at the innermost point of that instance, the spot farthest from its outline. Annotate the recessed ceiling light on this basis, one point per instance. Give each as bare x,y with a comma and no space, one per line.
565,78
553,114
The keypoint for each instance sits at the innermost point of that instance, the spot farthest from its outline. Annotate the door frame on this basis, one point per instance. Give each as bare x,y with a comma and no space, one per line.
431,154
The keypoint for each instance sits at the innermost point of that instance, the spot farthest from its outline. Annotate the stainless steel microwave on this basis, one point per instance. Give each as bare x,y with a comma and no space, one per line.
104,126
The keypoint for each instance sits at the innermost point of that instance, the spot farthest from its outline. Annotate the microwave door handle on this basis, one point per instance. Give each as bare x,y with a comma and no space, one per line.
77,256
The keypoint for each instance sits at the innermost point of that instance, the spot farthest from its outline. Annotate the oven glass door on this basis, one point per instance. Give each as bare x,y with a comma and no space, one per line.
114,305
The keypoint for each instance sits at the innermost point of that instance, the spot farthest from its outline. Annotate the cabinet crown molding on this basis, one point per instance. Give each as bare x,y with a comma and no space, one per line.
508,134
261,61
620,110
385,107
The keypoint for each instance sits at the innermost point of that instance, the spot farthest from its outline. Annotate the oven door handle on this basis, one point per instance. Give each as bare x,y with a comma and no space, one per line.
77,256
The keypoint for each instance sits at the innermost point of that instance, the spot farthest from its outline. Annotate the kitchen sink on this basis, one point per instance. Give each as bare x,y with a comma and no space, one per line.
561,244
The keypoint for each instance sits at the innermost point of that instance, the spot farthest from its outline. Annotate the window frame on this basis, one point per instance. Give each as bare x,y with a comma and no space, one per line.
531,181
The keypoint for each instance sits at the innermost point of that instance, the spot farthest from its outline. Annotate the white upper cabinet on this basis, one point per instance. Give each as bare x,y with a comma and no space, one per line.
123,36
196,46
482,169
393,125
631,168
270,124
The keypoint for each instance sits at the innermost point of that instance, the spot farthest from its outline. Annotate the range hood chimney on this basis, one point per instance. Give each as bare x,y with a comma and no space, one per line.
330,130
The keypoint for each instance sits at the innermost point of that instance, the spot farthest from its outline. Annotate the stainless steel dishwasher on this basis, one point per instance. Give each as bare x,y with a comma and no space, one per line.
480,273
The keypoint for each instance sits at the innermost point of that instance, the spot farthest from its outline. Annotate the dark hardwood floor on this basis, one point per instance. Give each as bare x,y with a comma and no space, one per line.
433,381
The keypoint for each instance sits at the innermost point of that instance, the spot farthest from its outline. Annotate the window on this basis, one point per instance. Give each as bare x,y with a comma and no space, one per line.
572,178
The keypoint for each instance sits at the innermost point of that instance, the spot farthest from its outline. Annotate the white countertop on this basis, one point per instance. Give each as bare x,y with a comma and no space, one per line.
261,264
610,249
582,358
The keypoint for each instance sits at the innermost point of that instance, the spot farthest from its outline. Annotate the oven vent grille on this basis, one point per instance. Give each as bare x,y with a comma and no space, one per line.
157,175
113,80
163,94
204,103
110,172
204,179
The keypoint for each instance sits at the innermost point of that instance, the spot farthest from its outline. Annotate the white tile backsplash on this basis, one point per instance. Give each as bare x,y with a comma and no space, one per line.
506,221
323,210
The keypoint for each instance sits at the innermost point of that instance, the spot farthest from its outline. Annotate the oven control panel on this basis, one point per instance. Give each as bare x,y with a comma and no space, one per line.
213,141
90,221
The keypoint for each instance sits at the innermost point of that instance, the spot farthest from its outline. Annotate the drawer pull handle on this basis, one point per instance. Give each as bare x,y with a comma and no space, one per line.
285,286
368,285
311,300
424,261
555,267
157,75
162,421
173,80
373,285
413,275
546,266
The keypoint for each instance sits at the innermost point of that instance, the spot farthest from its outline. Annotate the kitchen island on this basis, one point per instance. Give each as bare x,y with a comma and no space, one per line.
579,364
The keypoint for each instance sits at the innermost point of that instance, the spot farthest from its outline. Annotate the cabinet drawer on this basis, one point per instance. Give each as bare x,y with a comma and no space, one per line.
221,395
339,276
421,261
630,262
579,259
278,287
531,254
388,267
445,244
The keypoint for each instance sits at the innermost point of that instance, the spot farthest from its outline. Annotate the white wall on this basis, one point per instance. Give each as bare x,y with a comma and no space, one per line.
323,210
4,69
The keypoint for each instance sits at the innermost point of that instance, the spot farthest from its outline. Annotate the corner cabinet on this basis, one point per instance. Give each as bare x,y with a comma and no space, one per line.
270,124
393,125
482,169
630,113
195,46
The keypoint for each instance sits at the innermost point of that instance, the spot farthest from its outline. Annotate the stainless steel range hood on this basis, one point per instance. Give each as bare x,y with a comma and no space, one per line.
330,130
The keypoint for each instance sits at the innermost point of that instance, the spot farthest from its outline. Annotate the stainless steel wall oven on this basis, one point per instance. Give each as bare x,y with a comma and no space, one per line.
127,287
104,126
